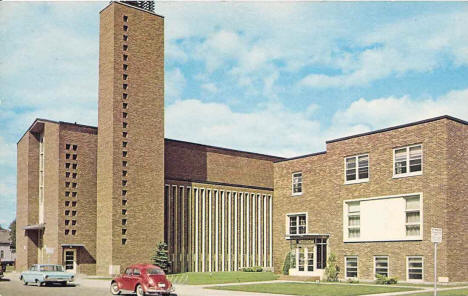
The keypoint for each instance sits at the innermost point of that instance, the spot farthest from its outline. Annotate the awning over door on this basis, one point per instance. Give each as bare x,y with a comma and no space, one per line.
35,227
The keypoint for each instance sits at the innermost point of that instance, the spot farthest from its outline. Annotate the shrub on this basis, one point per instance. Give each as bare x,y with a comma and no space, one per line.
383,280
287,263
257,269
353,281
332,270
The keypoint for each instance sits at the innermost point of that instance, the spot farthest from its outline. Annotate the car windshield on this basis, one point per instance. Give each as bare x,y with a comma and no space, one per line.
51,268
152,271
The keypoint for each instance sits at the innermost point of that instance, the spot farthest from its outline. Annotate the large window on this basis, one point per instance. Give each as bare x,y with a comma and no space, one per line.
357,169
297,224
407,161
354,220
413,216
351,264
321,245
297,183
381,265
414,268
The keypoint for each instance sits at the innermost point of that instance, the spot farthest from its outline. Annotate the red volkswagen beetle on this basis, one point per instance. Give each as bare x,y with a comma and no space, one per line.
142,279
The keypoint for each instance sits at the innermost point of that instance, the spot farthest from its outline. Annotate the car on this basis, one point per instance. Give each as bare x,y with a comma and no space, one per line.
142,279
46,273
2,268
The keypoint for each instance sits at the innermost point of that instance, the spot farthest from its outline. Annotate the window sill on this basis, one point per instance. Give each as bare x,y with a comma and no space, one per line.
297,194
357,240
356,181
407,175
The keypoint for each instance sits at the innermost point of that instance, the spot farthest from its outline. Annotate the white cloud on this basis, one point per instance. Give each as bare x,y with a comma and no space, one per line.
210,87
174,84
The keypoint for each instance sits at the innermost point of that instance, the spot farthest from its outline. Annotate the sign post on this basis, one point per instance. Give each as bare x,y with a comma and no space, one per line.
436,238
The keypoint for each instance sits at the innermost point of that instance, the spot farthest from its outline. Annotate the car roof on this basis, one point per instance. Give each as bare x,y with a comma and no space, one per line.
143,266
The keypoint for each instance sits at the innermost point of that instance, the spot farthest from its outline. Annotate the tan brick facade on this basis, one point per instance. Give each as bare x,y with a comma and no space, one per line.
110,197
325,191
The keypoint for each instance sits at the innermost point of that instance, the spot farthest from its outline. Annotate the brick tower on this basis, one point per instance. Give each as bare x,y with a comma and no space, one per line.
130,181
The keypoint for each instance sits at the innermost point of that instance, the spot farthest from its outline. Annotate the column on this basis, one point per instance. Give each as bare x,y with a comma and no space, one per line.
259,225
203,205
210,230
241,196
217,231
223,205
195,191
264,230
247,238
254,214
229,232
271,231
236,245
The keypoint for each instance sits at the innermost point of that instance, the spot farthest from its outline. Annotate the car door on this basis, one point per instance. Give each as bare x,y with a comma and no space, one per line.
135,277
127,279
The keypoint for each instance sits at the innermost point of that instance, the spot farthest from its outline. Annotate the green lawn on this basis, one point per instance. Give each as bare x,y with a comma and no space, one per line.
309,289
206,278
457,292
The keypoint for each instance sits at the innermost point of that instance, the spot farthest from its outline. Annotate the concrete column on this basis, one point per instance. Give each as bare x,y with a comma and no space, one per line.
203,206
259,225
195,191
241,196
271,230
236,244
217,231
223,250
247,218
210,230
264,230
254,214
229,232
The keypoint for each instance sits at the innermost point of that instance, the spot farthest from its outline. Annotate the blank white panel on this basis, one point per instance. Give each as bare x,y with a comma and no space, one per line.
383,219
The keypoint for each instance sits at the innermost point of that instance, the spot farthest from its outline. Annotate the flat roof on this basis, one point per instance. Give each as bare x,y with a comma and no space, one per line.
132,6
399,126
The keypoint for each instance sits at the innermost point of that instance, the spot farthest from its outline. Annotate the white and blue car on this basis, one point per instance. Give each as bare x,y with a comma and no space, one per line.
46,273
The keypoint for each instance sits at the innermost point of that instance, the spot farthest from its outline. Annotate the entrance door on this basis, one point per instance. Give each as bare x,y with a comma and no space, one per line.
304,259
70,260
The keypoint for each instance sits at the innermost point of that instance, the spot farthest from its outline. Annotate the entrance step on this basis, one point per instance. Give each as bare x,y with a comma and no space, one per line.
299,278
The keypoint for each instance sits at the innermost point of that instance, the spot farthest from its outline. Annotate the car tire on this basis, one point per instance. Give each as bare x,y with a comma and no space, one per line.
24,281
114,288
63,284
139,290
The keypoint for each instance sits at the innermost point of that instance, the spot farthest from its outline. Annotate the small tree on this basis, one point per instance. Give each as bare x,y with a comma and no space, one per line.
332,270
13,234
161,257
287,263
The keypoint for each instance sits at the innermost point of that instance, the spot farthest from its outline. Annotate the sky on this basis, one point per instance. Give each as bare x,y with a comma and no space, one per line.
278,78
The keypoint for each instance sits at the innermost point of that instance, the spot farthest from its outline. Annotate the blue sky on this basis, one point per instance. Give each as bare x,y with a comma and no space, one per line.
277,78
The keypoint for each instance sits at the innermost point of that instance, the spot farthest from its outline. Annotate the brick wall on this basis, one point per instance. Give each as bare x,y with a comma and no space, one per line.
325,191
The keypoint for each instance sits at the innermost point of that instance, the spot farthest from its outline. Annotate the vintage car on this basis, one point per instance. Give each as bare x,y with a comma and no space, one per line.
46,273
142,279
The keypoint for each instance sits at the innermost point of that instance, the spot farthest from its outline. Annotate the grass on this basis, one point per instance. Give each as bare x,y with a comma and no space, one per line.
309,289
10,268
456,292
207,278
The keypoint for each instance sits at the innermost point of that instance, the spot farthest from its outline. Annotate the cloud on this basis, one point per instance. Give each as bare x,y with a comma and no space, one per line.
210,87
174,84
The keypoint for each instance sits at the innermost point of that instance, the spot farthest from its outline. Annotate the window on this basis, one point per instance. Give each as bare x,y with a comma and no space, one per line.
67,203
67,212
125,28
67,231
124,192
67,146
73,232
354,219
74,175
124,221
74,166
67,193
67,156
124,153
124,163
73,213
2,254
124,231
125,18
381,265
124,134
74,194
67,165
73,222
125,86
67,175
67,184
74,185
297,183
75,147
124,182
357,169
124,173
124,212
124,114
413,216
407,161
351,264
67,222
125,48
128,271
124,105
124,96
414,268
125,37
297,224
124,202
124,144
125,67
136,271
124,241
73,204
124,76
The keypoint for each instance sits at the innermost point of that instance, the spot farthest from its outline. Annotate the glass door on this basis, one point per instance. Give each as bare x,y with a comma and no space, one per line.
70,260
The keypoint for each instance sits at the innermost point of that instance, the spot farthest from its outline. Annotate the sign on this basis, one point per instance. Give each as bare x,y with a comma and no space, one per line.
436,235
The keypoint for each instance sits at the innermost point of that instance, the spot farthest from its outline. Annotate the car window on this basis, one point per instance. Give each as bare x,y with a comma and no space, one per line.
128,271
153,271
33,268
58,268
136,271
47,268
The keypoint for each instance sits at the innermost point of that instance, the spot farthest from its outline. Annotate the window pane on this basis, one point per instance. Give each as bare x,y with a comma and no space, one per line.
353,207
354,220
301,260
412,230
350,163
310,260
412,203
415,268
363,173
351,267
354,232
363,161
412,217
400,167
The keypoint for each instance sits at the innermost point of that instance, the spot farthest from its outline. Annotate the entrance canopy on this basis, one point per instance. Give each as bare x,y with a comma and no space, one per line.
306,236
70,246
35,227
